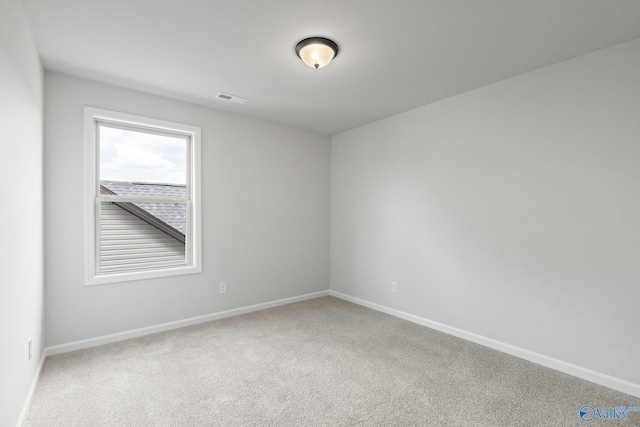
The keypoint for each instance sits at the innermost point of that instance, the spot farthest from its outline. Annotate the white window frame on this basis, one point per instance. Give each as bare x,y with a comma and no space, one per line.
193,238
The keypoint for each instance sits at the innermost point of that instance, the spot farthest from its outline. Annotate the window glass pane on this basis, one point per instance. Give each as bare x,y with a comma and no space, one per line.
141,236
128,155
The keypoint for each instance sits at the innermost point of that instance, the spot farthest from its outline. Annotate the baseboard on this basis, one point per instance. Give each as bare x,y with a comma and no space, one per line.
549,362
121,336
32,389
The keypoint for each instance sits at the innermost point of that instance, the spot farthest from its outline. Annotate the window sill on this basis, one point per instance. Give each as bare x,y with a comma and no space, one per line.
103,279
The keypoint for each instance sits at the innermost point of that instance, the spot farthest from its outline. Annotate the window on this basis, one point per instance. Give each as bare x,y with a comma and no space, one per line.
142,197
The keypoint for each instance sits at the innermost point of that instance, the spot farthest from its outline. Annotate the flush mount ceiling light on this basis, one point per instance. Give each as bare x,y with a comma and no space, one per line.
316,52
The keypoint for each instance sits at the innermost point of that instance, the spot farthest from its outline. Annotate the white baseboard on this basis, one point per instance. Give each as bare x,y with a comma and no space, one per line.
121,336
549,362
32,389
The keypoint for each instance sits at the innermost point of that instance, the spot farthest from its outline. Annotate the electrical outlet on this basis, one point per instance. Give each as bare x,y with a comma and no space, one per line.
30,348
223,287
394,286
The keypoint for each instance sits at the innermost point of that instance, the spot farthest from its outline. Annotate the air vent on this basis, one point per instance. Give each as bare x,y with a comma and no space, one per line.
231,98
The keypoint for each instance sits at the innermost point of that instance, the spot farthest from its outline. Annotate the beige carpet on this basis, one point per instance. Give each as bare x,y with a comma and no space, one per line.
320,362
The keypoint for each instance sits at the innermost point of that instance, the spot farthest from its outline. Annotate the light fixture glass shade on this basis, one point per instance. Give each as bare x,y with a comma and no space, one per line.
316,55
317,52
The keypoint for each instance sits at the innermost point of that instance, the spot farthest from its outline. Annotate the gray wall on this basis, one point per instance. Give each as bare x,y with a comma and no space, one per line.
21,254
265,213
510,211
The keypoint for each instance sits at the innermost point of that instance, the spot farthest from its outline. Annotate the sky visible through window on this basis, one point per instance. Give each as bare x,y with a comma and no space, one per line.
127,155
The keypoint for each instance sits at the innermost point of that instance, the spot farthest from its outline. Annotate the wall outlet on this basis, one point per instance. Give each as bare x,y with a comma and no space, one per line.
223,287
394,286
30,348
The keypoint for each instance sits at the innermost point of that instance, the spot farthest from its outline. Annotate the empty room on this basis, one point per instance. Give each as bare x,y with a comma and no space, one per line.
320,213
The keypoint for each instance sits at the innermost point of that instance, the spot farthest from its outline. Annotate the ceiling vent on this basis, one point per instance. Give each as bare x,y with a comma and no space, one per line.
231,98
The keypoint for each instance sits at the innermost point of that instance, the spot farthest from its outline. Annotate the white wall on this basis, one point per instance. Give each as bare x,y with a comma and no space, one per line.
21,215
511,211
265,216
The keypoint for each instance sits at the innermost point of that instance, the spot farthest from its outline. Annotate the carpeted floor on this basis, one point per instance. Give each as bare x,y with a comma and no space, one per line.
321,362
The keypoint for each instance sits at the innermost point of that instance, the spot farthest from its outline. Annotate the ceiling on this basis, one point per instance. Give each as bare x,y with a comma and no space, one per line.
395,55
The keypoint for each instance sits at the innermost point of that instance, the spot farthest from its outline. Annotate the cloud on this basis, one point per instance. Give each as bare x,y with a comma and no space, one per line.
127,155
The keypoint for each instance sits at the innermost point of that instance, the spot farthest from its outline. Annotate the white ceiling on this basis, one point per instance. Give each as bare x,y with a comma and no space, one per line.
395,54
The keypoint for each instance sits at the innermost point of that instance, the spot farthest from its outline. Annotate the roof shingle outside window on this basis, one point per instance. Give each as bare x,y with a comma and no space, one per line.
172,214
